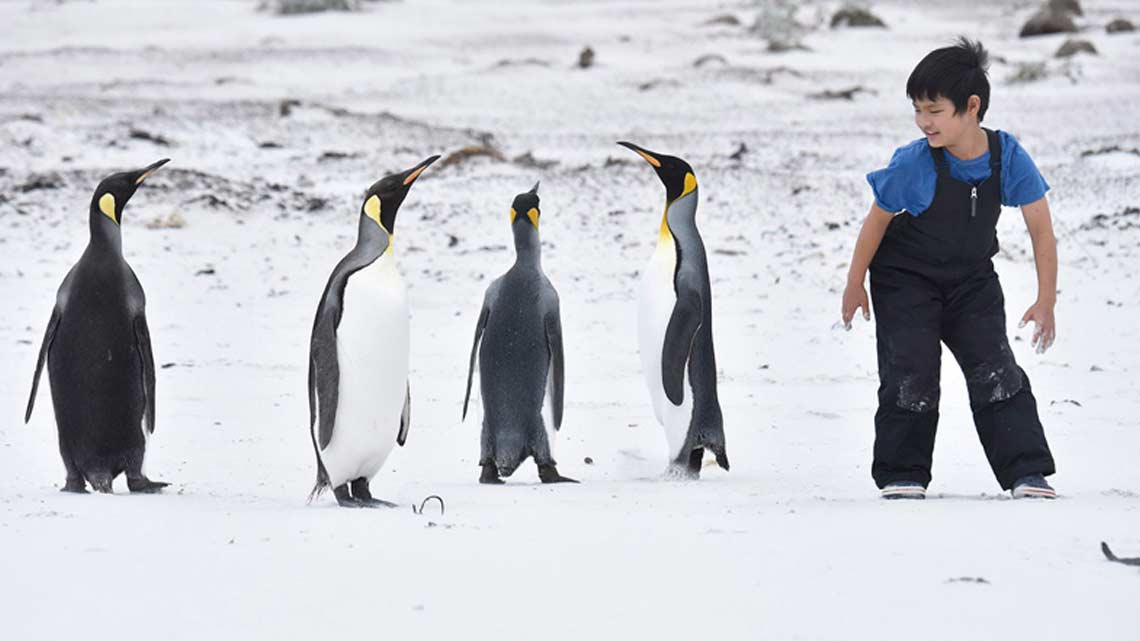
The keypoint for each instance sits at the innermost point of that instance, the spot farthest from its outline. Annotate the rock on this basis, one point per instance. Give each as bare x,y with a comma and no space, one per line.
710,58
1120,25
139,134
586,58
726,20
851,16
471,151
299,7
840,94
1073,46
739,153
1047,21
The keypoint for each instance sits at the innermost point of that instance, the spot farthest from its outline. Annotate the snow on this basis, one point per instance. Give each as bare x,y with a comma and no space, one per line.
793,543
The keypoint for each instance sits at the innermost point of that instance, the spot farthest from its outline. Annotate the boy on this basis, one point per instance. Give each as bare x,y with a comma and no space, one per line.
933,281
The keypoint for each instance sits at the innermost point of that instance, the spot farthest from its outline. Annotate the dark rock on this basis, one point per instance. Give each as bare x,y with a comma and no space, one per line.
710,58
1073,46
840,94
35,182
139,134
725,20
530,162
287,105
855,17
586,58
739,153
1046,21
299,7
1120,25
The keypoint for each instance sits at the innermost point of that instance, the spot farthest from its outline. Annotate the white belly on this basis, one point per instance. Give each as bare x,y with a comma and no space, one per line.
372,352
655,306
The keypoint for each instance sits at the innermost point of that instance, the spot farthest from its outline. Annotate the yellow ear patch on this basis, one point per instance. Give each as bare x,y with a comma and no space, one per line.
372,208
690,184
514,215
107,206
649,159
532,214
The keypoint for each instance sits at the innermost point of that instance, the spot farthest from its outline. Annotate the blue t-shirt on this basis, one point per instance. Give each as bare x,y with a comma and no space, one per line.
908,182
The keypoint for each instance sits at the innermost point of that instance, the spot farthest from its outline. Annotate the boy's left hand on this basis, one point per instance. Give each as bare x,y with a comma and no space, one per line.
1045,326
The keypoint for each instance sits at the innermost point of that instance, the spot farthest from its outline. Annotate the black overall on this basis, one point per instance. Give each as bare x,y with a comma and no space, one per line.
933,282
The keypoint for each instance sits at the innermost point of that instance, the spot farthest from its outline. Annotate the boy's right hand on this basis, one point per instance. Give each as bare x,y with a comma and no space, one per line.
854,297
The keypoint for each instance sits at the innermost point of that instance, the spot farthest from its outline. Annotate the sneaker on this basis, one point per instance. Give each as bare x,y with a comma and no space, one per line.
904,490
1033,486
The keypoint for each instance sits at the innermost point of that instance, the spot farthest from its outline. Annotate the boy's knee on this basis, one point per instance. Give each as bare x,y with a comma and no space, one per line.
918,393
994,381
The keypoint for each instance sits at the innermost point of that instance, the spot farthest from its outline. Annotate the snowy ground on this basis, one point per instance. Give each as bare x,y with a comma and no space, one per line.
793,543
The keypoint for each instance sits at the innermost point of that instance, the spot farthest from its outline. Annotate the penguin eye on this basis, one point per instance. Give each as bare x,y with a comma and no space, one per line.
107,206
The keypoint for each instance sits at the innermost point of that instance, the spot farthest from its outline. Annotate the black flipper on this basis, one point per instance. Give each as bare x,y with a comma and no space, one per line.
146,359
679,336
557,366
49,336
479,327
1112,557
405,418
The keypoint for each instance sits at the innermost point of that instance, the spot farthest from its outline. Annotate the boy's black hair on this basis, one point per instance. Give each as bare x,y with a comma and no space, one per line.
955,73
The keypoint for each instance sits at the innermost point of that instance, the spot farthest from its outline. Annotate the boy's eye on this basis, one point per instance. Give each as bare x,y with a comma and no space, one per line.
936,111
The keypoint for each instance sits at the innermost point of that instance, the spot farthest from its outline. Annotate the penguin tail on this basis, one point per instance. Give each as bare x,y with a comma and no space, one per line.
321,484
712,439
721,458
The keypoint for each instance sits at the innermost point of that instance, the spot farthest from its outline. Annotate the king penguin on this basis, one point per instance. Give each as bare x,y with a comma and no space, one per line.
675,326
98,354
518,344
359,396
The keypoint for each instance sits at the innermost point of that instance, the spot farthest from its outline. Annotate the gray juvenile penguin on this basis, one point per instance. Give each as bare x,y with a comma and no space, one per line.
97,349
359,395
675,325
518,343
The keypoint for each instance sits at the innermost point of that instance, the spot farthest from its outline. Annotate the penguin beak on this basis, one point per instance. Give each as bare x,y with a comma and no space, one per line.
145,173
412,174
649,156
534,190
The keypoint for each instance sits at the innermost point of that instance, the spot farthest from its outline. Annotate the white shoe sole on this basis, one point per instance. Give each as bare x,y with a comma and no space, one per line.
1033,493
903,493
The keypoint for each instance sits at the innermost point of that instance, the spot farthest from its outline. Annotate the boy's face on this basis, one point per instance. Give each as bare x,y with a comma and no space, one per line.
940,125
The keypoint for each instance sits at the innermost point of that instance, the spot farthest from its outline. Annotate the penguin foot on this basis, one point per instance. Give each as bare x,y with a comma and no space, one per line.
102,483
145,486
679,472
343,498
374,503
77,486
549,474
490,475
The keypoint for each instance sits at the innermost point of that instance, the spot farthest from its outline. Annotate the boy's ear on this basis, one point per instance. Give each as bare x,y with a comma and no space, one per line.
973,104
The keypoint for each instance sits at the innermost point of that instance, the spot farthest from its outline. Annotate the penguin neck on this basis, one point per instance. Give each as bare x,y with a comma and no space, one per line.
528,247
680,217
105,234
372,240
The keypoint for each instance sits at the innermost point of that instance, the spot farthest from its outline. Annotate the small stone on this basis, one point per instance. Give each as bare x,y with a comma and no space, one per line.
1120,25
1073,46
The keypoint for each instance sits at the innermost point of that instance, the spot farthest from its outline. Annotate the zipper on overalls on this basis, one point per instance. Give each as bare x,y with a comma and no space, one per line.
973,201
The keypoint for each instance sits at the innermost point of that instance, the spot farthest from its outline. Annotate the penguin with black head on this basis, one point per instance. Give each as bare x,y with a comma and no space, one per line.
98,354
675,325
359,394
